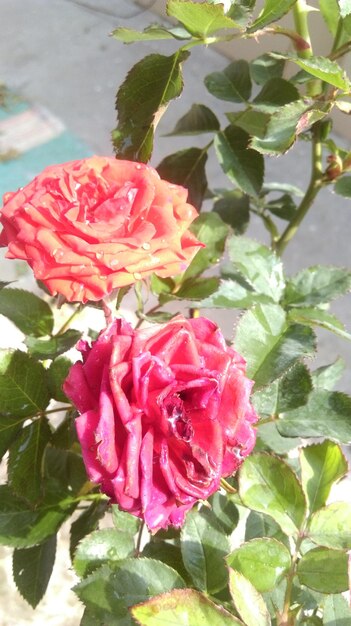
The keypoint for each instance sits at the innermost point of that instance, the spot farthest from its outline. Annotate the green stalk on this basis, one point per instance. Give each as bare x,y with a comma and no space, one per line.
284,619
314,88
310,195
300,12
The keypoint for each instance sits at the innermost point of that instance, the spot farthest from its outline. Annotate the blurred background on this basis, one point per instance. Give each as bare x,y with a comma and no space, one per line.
62,70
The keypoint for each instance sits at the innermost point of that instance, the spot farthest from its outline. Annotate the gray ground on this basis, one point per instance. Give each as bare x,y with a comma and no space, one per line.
58,54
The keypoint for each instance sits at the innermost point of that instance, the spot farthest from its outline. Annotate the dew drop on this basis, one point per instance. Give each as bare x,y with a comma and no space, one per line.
137,276
146,246
138,166
99,255
114,263
58,253
111,552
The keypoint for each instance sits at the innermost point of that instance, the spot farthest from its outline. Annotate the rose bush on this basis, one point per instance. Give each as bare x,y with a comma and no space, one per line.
90,226
165,412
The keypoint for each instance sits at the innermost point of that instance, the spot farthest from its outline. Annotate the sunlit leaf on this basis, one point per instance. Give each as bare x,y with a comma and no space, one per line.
141,100
322,464
268,485
32,568
324,570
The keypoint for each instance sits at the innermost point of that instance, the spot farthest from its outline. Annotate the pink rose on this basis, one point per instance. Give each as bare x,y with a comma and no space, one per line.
165,412
90,226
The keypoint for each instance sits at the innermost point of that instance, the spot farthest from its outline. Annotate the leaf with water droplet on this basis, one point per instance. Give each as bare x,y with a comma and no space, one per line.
25,460
32,569
102,546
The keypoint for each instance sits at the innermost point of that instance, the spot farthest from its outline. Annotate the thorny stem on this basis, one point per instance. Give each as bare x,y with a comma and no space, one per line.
315,184
300,12
339,52
310,195
284,619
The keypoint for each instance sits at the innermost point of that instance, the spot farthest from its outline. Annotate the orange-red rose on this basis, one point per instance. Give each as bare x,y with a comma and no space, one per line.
90,226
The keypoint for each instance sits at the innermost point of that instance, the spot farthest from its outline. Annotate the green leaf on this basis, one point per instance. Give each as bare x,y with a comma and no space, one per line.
317,285
294,388
345,7
210,230
318,317
337,612
283,207
269,345
327,376
66,467
322,464
167,553
331,526
268,485
201,20
248,602
262,561
233,295
265,67
251,121
53,347
321,67
196,289
330,11
289,120
204,545
326,414
26,460
125,522
182,608
111,589
9,429
23,389
85,524
32,568
101,546
324,570
234,210
225,511
22,527
260,267
241,11
233,84
56,375
291,189
187,168
154,32
141,100
270,440
275,93
243,166
29,313
272,11
199,119
261,525
343,186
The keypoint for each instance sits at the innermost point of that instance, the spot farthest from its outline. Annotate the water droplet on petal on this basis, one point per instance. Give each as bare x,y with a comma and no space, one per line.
146,246
58,253
99,255
138,166
114,263
137,276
